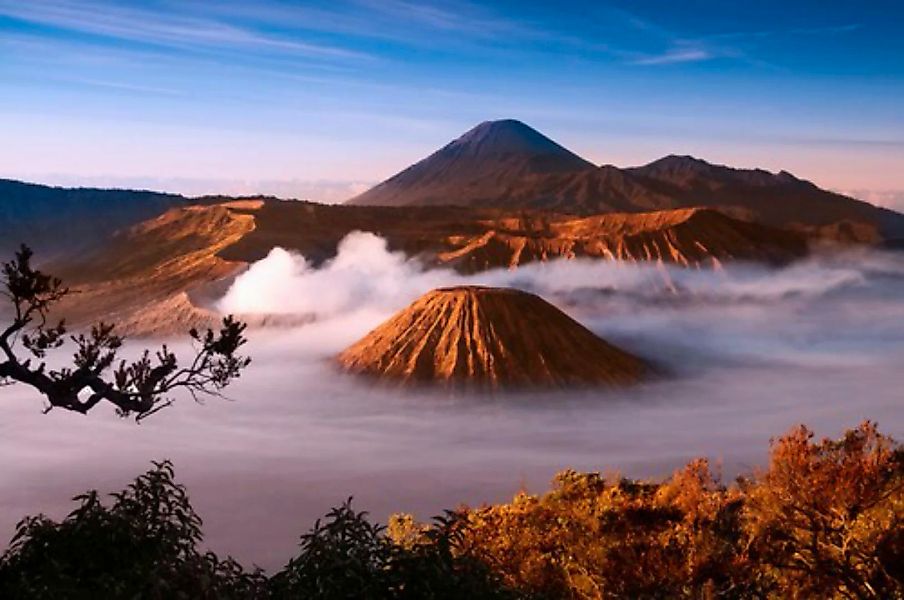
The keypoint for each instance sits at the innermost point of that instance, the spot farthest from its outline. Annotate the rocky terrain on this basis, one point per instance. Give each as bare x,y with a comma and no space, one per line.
500,196
471,240
508,164
489,337
147,271
174,265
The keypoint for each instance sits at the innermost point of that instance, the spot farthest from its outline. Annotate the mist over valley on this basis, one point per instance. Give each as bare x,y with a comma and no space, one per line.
745,351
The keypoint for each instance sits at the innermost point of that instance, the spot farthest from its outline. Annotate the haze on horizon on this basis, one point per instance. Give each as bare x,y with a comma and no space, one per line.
320,99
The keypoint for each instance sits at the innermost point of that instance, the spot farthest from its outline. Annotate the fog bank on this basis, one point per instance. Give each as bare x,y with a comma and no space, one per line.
751,351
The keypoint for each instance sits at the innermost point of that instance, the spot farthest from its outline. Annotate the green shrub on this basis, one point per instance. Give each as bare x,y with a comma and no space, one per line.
142,546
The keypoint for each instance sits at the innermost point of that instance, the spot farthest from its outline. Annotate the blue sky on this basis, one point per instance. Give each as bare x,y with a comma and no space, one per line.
321,98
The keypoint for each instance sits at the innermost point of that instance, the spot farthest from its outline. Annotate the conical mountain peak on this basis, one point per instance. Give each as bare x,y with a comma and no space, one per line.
488,161
489,337
508,137
507,164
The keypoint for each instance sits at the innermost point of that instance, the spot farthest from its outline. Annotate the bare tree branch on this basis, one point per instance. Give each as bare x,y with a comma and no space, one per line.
139,388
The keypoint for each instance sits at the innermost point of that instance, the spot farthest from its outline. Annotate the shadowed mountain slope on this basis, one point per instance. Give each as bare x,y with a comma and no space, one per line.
484,166
166,269
52,218
779,199
489,337
472,240
506,164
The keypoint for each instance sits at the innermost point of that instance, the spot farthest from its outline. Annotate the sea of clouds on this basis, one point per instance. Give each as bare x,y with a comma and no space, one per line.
749,350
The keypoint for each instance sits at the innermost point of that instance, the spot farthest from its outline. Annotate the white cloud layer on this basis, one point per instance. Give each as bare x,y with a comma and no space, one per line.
750,352
893,199
366,276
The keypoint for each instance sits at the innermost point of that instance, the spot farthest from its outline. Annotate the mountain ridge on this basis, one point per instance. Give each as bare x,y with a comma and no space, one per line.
491,153
175,264
505,179
50,218
510,136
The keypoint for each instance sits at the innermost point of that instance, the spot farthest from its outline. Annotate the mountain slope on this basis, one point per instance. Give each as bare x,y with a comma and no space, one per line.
487,163
489,337
471,239
687,237
54,219
153,272
154,262
777,199
506,164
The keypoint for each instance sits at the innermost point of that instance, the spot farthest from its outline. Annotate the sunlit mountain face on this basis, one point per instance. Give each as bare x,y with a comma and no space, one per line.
432,255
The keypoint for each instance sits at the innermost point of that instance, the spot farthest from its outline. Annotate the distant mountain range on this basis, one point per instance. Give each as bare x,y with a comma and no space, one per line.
501,196
496,165
507,164
55,218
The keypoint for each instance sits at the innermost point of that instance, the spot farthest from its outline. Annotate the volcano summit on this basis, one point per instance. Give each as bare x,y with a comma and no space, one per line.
480,167
508,164
489,338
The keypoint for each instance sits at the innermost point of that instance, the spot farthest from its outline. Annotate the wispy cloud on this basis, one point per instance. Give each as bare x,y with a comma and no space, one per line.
462,17
155,27
675,55
767,33
424,13
124,86
683,48
678,49
427,23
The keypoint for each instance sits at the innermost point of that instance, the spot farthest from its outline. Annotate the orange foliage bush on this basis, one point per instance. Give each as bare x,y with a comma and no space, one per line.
824,520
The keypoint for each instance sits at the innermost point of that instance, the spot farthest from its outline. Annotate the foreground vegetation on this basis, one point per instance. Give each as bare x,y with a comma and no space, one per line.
138,388
823,520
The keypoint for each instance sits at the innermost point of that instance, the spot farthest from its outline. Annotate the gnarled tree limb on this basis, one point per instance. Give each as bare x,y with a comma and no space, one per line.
138,388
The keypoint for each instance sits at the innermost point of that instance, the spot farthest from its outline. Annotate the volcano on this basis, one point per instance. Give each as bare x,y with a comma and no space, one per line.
509,165
482,166
489,338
